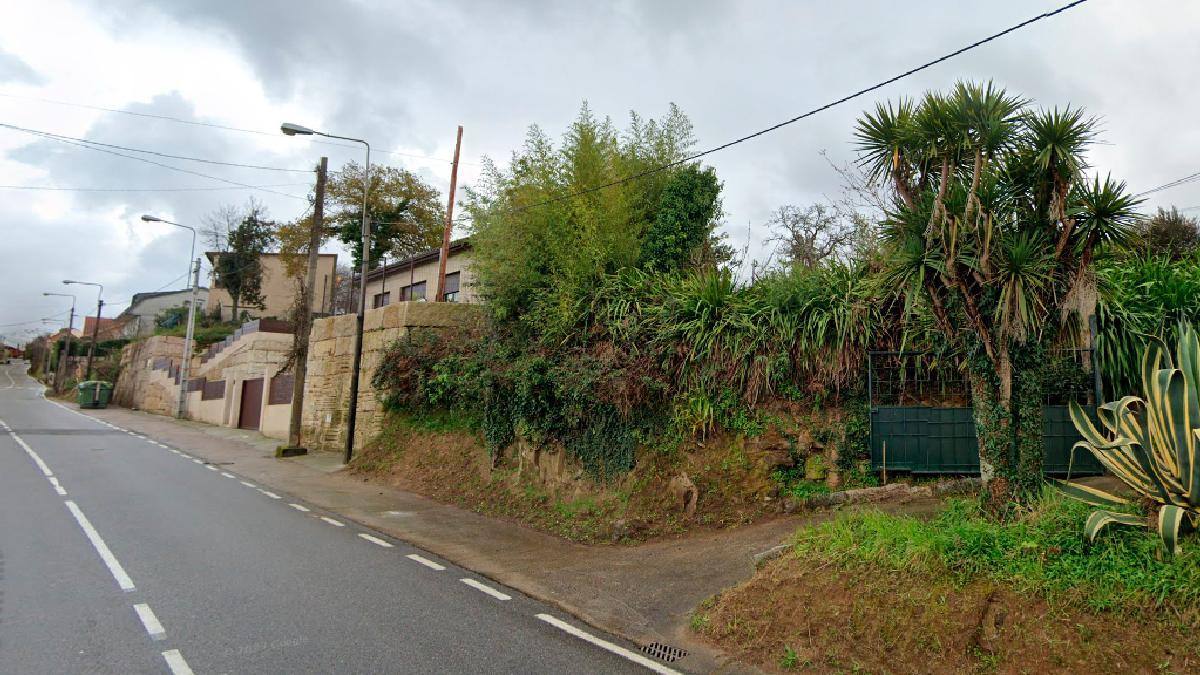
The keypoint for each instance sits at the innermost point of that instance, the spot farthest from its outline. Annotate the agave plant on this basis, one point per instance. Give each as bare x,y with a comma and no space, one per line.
1151,444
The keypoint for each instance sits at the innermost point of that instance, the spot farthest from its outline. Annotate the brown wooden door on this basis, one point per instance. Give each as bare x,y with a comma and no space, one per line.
251,415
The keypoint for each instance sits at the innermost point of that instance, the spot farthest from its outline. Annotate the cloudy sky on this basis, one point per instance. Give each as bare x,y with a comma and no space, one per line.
403,74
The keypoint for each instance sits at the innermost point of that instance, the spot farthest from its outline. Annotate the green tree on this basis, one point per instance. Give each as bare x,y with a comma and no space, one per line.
687,211
407,215
239,268
546,233
994,231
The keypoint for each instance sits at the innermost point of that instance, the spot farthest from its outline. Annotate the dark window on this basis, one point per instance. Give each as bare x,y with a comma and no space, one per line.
213,390
381,300
452,287
281,389
414,292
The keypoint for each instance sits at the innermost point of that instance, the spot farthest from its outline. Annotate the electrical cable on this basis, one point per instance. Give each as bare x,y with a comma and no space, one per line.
1175,183
47,188
797,118
216,162
169,167
211,125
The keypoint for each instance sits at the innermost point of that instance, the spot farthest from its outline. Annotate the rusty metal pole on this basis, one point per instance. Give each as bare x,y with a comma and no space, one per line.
441,287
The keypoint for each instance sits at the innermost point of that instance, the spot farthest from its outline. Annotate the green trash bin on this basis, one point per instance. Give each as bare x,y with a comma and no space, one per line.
94,394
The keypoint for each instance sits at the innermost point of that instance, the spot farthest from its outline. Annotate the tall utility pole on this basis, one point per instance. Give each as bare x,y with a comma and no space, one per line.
95,334
58,377
304,318
185,367
441,289
64,357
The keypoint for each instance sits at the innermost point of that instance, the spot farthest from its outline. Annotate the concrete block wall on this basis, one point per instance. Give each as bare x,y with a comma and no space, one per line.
331,346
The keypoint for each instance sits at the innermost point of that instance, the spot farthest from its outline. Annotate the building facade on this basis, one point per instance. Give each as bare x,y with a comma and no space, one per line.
278,290
139,319
416,278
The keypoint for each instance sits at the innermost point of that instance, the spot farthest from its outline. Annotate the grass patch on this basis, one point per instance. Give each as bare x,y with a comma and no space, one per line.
1044,553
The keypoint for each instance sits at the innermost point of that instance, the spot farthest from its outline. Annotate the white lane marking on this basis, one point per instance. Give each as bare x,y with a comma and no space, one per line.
227,474
176,663
32,455
268,493
198,461
131,433
164,446
608,646
425,561
153,627
299,507
106,555
57,487
333,522
185,455
374,540
486,589
210,467
175,451
249,485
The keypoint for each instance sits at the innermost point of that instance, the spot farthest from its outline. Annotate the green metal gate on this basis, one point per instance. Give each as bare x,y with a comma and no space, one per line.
917,435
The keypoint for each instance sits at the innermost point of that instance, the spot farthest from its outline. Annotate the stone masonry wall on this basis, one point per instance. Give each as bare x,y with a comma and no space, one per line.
331,346
142,387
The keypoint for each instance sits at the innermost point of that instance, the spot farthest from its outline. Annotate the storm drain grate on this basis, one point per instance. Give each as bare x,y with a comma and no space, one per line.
664,652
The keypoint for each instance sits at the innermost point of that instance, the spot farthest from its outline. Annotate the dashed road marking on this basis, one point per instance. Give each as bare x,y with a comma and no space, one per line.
374,540
210,467
153,627
198,461
331,521
268,493
299,507
176,663
227,474
57,487
486,589
249,485
425,561
106,554
608,646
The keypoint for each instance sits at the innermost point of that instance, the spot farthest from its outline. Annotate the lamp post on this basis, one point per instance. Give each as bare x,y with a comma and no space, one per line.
58,376
185,364
290,129
95,328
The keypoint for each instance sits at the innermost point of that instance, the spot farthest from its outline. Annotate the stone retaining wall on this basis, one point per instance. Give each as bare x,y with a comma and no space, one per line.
331,346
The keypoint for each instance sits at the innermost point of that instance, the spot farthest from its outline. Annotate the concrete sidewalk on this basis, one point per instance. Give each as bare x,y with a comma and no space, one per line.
645,593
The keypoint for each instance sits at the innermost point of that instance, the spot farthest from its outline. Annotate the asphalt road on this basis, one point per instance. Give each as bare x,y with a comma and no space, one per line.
119,554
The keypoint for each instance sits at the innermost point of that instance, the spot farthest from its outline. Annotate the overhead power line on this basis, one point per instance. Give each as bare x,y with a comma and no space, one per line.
810,113
1175,183
180,120
156,153
167,166
48,188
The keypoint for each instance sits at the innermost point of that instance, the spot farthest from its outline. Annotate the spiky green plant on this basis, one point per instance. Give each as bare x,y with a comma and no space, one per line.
1151,444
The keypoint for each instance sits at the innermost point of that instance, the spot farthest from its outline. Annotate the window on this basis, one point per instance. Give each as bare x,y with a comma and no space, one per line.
382,300
414,292
281,389
452,282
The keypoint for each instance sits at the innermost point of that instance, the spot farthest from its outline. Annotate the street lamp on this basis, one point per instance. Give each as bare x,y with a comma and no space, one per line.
185,366
58,377
290,129
95,328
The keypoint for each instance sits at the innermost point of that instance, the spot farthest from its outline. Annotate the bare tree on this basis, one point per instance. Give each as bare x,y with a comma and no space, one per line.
216,227
807,237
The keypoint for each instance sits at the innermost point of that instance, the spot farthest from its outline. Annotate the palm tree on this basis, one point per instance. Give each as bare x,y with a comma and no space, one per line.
994,231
